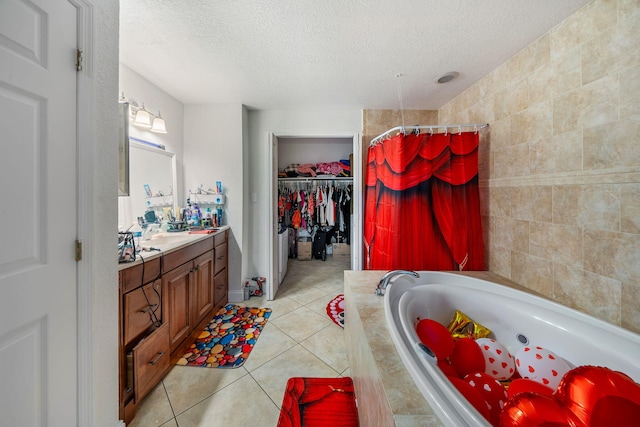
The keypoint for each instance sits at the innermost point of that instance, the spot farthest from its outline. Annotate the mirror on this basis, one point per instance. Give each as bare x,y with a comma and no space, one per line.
123,150
152,167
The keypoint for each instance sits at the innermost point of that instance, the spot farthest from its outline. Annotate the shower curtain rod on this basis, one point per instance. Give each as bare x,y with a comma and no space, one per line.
403,129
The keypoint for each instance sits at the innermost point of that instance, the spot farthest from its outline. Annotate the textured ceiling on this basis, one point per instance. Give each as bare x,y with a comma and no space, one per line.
290,54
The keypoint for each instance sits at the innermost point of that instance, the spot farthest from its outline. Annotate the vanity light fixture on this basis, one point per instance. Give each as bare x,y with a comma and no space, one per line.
141,117
158,124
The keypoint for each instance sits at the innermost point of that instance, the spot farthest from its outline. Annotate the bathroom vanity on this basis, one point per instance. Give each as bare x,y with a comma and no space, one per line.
166,297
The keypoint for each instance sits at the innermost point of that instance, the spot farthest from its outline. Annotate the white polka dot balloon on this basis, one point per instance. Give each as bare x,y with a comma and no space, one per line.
541,365
499,363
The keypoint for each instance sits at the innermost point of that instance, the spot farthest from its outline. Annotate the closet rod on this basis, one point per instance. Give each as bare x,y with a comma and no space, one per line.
404,129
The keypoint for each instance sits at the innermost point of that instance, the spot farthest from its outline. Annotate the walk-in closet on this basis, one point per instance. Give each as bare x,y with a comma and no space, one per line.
314,198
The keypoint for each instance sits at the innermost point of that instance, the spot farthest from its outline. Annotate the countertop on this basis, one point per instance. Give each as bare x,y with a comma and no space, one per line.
386,394
169,247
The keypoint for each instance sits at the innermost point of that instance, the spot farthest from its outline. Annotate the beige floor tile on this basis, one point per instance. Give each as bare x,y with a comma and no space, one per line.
329,346
301,323
155,409
171,423
296,362
320,305
305,294
239,404
271,343
281,306
189,385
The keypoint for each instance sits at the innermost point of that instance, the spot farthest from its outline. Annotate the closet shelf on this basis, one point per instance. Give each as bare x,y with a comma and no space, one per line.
317,178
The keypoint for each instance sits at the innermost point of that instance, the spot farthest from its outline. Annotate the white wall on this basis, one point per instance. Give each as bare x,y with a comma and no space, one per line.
296,123
312,150
213,151
102,58
137,88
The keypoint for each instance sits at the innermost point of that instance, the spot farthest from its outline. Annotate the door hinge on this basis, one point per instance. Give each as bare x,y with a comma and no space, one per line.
78,246
79,59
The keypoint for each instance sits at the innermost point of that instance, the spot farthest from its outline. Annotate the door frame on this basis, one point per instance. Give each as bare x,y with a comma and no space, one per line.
84,133
271,226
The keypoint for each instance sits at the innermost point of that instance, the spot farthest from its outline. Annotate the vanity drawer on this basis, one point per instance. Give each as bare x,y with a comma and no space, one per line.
141,309
177,258
150,361
220,238
131,277
221,258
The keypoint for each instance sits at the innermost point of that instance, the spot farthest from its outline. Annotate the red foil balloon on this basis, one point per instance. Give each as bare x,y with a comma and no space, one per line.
521,385
530,409
587,396
601,397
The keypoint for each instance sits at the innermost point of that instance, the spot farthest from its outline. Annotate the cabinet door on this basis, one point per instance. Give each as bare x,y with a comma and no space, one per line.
202,290
175,290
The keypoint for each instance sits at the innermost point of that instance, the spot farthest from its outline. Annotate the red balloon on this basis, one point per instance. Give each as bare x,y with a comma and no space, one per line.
467,357
600,395
472,395
586,396
447,369
492,391
521,385
530,409
436,337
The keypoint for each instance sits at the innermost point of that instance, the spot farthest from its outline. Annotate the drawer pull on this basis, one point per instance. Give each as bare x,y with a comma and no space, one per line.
149,307
157,358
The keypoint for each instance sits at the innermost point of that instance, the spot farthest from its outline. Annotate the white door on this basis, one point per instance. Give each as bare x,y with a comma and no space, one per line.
38,345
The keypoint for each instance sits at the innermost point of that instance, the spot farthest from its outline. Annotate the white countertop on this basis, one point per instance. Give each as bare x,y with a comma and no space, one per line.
168,242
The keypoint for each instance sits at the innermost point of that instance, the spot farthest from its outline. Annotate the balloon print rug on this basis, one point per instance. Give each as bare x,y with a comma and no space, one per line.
335,310
228,339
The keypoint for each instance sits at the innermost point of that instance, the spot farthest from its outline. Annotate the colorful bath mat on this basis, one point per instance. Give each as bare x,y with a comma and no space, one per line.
228,339
335,310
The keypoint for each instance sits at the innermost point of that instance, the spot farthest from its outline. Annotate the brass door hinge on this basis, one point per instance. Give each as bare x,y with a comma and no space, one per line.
78,246
79,59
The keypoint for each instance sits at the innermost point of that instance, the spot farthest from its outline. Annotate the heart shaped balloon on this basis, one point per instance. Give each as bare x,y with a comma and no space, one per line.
587,396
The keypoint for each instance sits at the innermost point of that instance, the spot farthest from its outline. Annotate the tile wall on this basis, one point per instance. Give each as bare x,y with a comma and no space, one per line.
560,165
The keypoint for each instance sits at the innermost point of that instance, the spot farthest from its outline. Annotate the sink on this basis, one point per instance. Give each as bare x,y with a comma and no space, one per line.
165,241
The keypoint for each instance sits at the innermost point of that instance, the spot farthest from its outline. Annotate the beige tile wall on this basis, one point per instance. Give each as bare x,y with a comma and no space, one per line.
560,165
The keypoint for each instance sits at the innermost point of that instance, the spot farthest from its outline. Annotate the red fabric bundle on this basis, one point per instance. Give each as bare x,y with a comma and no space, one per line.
319,402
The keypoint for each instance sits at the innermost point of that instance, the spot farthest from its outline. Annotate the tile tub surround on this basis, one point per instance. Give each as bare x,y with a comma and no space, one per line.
386,394
560,167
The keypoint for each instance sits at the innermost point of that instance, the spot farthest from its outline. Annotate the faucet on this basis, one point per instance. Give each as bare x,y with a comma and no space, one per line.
149,231
384,282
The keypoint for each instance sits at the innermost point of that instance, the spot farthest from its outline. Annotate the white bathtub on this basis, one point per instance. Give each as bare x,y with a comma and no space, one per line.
511,315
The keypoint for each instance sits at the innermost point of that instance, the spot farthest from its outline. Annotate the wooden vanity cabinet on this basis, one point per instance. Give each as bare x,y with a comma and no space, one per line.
221,270
164,305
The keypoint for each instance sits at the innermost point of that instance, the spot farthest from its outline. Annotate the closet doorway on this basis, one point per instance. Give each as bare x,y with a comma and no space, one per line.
287,149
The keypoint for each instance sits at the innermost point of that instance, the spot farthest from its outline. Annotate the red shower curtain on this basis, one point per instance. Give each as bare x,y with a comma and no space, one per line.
422,209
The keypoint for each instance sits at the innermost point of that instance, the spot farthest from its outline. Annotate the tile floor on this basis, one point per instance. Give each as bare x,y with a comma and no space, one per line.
298,340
